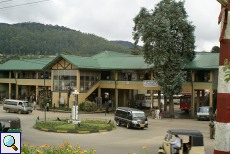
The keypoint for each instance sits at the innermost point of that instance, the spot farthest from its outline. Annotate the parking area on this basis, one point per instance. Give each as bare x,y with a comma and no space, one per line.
120,140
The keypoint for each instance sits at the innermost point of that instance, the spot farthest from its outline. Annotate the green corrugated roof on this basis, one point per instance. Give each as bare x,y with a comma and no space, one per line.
26,64
204,60
110,54
81,62
108,60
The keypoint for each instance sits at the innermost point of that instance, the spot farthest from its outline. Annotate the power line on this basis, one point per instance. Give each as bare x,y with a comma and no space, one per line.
7,7
5,1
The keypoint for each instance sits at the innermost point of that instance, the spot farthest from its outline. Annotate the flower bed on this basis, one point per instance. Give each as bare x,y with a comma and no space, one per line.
65,148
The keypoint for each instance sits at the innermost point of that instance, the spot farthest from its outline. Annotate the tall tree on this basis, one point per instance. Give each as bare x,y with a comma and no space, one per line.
168,42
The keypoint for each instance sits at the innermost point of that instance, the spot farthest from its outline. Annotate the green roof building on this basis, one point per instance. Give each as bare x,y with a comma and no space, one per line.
121,75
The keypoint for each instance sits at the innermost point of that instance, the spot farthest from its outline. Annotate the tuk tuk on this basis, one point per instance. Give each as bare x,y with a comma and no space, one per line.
10,124
191,142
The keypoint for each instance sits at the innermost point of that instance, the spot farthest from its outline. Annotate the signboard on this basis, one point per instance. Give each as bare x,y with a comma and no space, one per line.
150,83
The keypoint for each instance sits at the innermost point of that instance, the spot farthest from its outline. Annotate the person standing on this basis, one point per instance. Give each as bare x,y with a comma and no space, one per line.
47,106
160,114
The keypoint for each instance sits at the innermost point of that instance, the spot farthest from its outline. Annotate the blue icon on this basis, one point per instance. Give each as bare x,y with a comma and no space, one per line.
9,141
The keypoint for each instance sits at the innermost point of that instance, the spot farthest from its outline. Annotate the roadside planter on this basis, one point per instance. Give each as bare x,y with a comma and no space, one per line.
85,127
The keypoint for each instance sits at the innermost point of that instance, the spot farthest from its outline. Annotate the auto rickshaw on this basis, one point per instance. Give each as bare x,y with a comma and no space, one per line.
191,142
10,124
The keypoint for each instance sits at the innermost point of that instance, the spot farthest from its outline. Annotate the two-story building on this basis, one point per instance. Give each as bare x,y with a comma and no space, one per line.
121,75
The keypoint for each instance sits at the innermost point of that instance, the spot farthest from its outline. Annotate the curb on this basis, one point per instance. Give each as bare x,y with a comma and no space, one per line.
73,131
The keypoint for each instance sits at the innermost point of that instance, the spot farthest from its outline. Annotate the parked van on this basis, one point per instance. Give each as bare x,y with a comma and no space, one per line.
131,118
204,113
19,106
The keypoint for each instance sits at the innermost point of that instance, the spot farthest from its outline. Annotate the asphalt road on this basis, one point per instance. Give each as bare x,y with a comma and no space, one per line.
117,141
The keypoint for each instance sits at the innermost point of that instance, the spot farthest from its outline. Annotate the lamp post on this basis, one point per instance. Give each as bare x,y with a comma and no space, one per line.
75,108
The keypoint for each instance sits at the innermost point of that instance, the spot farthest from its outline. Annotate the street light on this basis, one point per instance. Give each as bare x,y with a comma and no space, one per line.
75,108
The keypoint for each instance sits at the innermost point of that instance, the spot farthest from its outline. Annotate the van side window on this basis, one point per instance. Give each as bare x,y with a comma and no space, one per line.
20,103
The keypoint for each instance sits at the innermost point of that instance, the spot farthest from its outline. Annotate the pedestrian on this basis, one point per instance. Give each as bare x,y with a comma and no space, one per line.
157,113
34,105
43,105
47,106
160,114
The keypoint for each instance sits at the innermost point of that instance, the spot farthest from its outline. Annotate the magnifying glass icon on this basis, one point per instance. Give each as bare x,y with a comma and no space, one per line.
9,141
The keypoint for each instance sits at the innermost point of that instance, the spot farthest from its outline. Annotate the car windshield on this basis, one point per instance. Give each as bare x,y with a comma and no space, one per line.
137,114
203,109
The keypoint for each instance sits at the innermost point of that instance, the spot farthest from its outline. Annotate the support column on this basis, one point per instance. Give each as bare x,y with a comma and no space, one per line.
211,98
192,95
37,90
116,97
222,133
16,91
10,91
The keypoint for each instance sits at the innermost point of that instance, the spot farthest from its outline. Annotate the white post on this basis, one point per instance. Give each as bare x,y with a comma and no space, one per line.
75,119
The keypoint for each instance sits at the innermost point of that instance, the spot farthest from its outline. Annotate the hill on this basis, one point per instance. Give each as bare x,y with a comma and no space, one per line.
41,39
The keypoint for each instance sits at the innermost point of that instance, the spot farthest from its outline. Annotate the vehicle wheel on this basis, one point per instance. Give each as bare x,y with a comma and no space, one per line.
128,125
28,112
118,123
8,110
19,111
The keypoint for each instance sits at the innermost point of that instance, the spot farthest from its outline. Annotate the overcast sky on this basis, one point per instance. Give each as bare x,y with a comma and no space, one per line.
110,19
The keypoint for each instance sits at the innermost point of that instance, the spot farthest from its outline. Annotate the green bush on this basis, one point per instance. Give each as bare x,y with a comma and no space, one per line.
85,125
89,106
82,106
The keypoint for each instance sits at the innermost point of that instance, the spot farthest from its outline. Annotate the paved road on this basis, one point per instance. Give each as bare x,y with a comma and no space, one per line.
118,141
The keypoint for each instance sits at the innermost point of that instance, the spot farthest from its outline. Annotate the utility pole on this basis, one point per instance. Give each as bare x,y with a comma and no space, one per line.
222,132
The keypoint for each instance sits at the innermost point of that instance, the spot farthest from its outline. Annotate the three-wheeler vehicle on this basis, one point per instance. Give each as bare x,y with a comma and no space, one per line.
191,142
10,124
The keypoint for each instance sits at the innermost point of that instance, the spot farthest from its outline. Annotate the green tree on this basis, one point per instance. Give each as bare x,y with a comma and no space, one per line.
215,49
168,42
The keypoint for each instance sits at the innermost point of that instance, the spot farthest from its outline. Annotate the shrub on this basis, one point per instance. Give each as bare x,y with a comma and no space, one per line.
89,106
82,106
85,125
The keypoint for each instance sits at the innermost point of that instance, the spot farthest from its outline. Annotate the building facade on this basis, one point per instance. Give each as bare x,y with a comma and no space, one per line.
121,75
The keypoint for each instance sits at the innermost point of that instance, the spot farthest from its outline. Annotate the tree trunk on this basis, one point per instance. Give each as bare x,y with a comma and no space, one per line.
171,107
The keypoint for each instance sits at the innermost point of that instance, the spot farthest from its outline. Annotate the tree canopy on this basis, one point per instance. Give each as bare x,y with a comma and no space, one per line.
215,49
168,42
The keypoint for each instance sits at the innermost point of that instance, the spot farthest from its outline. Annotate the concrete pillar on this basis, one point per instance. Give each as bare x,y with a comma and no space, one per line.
222,133
16,91
211,76
10,91
116,98
211,98
78,80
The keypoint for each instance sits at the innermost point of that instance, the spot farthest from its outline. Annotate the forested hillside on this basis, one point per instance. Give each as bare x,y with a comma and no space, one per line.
40,39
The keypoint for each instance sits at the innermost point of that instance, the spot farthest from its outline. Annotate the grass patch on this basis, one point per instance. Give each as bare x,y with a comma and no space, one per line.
85,125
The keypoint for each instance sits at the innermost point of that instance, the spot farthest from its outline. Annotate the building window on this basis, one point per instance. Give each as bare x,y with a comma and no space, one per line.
64,79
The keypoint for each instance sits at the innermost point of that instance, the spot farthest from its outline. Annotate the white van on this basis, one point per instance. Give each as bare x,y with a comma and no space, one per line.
19,106
203,113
